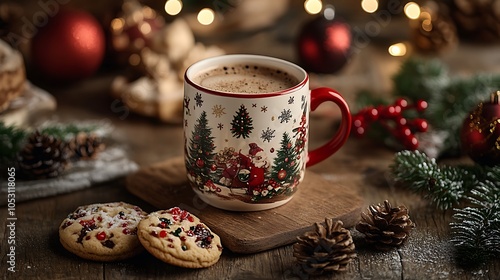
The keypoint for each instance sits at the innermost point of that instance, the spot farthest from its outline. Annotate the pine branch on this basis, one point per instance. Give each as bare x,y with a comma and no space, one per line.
476,230
445,185
11,141
68,131
420,79
12,138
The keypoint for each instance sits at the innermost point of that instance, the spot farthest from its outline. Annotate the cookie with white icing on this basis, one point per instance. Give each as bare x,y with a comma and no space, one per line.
177,237
103,231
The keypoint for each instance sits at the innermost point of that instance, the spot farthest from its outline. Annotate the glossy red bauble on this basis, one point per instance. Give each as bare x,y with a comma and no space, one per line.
480,135
70,46
324,46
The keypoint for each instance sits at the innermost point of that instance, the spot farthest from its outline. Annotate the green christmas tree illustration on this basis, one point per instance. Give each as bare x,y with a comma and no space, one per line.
285,166
241,126
201,147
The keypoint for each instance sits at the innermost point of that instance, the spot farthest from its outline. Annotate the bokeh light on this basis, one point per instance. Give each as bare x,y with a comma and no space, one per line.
369,6
412,10
313,6
398,49
173,7
206,16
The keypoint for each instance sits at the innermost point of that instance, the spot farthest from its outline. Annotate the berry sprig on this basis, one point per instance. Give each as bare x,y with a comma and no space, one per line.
392,119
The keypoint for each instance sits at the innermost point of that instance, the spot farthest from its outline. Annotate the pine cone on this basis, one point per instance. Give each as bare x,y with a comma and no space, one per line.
477,19
42,157
329,248
86,146
385,227
434,31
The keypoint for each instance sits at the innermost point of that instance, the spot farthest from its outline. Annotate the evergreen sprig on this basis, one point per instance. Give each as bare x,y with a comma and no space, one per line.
444,185
12,138
476,228
11,141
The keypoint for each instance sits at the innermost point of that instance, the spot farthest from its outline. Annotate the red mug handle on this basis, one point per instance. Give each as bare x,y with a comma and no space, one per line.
319,96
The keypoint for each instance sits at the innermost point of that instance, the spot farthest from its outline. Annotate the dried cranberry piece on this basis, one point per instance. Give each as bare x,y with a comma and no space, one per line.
66,224
203,236
108,243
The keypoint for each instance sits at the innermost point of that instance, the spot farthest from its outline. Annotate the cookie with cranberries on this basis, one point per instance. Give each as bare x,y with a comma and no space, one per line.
103,231
177,237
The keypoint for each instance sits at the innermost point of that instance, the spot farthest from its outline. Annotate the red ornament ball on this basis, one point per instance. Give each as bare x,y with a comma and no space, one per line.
200,163
70,46
480,135
324,45
281,174
213,167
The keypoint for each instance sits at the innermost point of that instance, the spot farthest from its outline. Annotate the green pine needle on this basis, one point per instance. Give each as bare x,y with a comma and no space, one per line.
66,131
12,138
11,141
420,78
476,230
445,185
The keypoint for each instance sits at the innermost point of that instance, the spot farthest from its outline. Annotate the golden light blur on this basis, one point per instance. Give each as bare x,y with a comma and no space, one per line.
427,25
206,16
134,59
369,6
173,7
313,6
398,49
145,28
412,10
117,24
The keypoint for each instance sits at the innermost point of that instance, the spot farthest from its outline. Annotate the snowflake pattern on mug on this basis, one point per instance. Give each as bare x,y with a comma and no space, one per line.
250,174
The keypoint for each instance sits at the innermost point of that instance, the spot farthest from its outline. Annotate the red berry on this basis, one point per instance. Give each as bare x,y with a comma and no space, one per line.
392,111
411,142
101,235
372,114
163,234
401,102
358,121
400,121
360,131
421,105
421,125
190,218
405,131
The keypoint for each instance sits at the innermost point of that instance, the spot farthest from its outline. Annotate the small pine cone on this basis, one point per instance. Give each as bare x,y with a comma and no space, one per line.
385,227
42,157
434,31
328,248
86,146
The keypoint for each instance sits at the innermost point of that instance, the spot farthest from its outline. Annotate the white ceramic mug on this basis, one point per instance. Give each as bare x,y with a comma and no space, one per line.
248,151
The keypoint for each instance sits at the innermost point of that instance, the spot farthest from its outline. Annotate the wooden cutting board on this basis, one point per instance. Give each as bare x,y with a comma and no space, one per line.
165,185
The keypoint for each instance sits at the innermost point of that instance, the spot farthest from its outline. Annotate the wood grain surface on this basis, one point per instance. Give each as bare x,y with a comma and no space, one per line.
361,164
165,185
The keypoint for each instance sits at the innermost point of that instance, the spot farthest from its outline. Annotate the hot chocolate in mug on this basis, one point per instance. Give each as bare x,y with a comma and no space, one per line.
246,127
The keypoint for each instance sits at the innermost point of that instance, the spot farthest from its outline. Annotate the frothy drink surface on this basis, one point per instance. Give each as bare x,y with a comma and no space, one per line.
245,78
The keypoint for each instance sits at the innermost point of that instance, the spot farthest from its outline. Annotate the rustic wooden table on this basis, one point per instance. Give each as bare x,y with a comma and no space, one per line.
360,164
